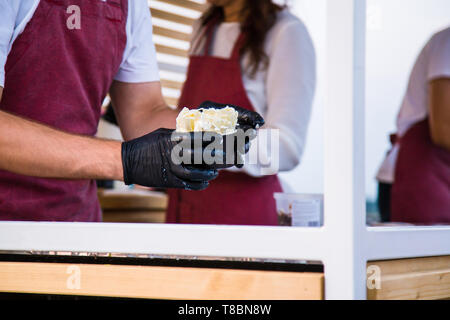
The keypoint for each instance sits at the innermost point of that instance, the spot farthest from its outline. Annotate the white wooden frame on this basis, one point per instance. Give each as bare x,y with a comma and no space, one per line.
344,244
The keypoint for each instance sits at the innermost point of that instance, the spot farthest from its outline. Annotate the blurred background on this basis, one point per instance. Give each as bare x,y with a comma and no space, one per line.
396,32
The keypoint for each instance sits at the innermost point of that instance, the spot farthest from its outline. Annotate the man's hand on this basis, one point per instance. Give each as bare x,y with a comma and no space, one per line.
246,119
148,161
140,109
248,122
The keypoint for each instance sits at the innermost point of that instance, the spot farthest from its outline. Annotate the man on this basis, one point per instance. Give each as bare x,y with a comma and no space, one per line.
58,60
418,167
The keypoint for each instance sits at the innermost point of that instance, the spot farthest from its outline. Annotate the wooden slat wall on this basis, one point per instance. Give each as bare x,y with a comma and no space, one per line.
164,15
193,5
171,84
163,11
160,31
171,50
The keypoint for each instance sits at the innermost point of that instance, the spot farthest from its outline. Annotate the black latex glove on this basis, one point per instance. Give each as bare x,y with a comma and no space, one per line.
246,118
233,148
248,121
147,161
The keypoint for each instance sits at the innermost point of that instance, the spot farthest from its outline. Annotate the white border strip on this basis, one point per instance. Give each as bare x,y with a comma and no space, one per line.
195,240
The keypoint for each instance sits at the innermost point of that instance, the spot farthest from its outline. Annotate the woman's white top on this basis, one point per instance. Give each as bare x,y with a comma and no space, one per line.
283,93
139,60
433,63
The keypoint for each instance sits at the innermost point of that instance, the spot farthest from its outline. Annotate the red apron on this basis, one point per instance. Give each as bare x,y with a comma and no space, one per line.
233,198
421,190
60,76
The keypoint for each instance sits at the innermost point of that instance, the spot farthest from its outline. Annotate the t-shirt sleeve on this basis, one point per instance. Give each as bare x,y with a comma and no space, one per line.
139,61
8,13
439,59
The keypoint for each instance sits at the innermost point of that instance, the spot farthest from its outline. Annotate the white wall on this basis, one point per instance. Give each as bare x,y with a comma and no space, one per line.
308,177
397,30
394,40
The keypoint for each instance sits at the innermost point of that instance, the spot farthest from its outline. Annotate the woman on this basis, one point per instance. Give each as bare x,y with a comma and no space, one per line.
257,55
418,167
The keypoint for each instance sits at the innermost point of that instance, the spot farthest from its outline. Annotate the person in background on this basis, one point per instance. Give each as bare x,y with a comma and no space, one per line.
415,176
259,56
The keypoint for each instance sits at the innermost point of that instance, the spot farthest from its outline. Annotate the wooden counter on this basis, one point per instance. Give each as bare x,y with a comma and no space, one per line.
412,279
133,205
156,281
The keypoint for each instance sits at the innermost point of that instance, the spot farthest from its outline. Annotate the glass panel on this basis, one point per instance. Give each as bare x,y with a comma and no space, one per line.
397,32
289,94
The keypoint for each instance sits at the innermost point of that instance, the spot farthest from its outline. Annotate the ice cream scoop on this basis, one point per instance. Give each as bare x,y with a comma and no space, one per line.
222,121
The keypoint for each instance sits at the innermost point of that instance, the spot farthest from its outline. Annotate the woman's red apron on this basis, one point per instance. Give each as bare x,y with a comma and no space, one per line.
233,198
59,76
421,191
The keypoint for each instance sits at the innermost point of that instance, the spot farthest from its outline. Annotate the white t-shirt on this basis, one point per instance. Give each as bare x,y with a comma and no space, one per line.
283,94
432,63
139,60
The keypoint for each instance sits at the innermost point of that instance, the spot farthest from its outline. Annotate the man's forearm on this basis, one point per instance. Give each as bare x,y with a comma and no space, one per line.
140,108
33,149
160,116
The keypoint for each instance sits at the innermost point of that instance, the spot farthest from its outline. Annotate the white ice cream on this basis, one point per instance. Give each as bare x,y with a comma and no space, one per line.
222,121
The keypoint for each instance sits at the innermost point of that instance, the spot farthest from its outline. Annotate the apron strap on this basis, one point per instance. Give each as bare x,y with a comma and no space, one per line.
202,33
209,33
236,53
